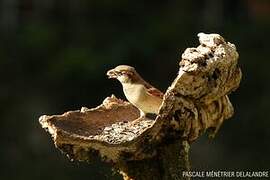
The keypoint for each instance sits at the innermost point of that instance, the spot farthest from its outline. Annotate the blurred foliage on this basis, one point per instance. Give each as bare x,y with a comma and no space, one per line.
54,55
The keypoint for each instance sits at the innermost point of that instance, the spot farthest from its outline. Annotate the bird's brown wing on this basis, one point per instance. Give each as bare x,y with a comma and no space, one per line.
155,92
150,89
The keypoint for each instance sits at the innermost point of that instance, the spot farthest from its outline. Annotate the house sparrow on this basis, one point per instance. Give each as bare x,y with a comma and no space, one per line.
137,91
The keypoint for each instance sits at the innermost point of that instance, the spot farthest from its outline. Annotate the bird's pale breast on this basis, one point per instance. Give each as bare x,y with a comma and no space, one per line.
138,96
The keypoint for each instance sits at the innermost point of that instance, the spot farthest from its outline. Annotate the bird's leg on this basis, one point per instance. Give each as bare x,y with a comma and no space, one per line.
147,115
142,114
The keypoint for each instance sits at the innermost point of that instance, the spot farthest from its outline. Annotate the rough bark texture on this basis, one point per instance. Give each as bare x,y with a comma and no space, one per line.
142,148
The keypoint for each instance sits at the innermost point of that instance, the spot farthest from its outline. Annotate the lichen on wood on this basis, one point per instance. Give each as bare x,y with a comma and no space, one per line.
142,148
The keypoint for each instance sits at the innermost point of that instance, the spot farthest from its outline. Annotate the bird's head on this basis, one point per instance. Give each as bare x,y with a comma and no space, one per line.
124,73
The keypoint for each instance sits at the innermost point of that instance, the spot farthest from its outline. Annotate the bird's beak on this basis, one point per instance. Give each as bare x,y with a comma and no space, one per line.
112,74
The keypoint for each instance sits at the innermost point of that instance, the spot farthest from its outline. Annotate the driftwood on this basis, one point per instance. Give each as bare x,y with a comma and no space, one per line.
142,148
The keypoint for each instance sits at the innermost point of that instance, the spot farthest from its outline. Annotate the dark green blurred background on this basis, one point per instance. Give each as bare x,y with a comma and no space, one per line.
54,55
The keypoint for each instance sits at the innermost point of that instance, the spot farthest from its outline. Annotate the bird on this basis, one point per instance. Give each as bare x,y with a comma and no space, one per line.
138,92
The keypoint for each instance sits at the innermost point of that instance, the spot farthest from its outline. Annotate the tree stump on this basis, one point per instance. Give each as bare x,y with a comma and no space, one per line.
141,148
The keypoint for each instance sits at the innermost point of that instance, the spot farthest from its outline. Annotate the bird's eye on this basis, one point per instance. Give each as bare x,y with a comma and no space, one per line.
118,73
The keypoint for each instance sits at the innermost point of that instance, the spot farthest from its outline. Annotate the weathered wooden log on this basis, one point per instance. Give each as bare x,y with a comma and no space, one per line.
142,148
